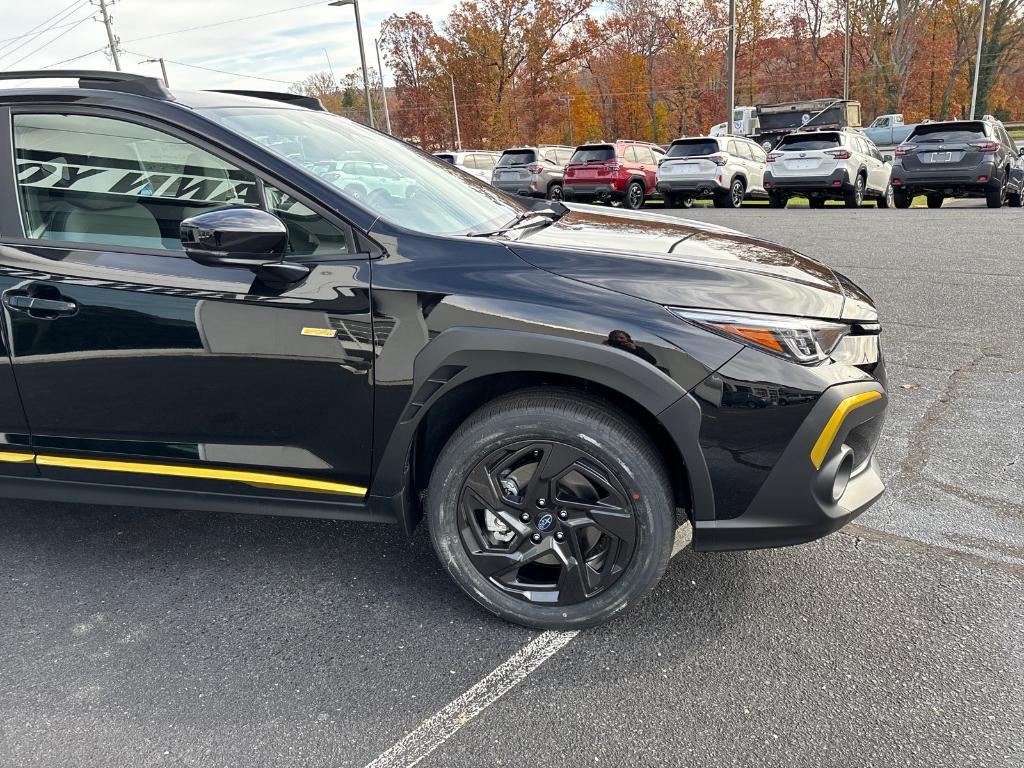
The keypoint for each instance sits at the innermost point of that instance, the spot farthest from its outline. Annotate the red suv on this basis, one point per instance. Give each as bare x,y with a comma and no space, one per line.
623,171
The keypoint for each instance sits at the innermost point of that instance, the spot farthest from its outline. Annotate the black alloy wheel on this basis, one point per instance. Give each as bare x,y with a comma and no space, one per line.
736,193
855,197
634,199
551,509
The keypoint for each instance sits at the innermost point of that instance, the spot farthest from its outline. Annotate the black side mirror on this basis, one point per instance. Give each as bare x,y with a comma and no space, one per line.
235,237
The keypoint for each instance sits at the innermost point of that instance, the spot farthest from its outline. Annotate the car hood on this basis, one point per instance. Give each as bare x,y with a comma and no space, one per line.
683,263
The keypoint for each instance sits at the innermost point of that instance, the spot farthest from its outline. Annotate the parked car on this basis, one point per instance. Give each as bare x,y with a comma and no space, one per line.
958,158
620,172
889,130
824,165
728,169
475,162
196,321
361,178
532,171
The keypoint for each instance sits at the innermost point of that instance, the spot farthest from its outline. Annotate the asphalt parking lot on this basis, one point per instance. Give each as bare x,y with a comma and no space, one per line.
152,638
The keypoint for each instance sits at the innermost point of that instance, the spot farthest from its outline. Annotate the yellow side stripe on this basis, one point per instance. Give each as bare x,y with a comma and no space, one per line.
263,479
828,434
16,458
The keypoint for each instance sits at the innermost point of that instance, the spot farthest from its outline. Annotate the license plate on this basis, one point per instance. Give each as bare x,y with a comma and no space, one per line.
688,168
802,165
942,157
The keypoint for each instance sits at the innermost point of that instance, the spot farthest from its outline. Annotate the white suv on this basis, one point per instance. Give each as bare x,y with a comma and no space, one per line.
728,169
822,165
474,162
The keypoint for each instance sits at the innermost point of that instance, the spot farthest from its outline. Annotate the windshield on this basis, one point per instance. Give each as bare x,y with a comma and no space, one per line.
517,157
692,148
592,155
806,143
391,178
951,133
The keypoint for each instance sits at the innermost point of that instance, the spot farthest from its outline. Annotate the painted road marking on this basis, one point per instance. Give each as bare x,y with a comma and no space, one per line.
436,730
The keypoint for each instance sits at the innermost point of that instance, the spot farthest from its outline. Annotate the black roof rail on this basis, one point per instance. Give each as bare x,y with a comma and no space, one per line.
309,102
123,82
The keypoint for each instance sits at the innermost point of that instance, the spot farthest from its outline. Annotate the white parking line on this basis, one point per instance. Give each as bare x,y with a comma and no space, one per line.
436,730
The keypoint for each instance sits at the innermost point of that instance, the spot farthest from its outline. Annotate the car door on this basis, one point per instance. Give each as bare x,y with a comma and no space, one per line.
141,367
755,159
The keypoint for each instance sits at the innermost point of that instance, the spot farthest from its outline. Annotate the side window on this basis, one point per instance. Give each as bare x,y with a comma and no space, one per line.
469,161
759,154
484,162
309,235
732,149
630,155
744,150
103,181
550,156
646,155
562,156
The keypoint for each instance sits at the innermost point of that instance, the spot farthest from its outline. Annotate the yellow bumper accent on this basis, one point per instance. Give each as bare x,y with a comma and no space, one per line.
261,479
828,434
16,458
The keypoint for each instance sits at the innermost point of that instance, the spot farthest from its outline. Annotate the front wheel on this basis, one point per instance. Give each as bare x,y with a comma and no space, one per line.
551,509
888,200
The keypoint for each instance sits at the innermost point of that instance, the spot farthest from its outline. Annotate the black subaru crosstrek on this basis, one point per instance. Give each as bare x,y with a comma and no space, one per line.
958,158
195,319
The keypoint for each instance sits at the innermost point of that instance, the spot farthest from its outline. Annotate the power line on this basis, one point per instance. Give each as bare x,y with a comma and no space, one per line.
212,69
37,26
225,21
51,41
53,28
59,18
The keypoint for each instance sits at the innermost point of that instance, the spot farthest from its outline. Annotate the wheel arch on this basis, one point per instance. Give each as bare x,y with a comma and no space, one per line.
464,368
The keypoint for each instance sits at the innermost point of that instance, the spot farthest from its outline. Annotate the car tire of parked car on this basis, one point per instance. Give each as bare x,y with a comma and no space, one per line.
935,201
888,200
634,199
902,199
1015,199
816,202
994,197
777,200
554,191
678,201
855,197
574,440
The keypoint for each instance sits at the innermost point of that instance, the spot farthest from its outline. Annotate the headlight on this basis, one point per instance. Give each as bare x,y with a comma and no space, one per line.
803,340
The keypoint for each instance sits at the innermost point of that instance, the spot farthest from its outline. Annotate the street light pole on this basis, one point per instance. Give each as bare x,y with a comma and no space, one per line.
383,90
362,54
455,109
977,59
730,104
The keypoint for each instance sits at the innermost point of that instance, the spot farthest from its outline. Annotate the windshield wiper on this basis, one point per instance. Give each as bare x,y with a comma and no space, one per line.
523,220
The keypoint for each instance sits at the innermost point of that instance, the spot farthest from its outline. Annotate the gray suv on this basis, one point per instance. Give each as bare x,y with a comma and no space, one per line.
532,171
958,158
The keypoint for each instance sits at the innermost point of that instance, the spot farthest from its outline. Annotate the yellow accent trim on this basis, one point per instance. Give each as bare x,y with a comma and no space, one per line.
252,478
828,434
17,458
327,333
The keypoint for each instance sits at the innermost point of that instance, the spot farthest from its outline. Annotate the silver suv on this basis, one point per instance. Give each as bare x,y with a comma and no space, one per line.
532,171
728,169
822,165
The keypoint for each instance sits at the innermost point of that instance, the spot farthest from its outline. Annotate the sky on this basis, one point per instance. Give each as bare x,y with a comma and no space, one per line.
292,40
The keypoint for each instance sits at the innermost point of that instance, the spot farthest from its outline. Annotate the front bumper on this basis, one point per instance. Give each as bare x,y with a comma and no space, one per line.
573,191
799,499
836,182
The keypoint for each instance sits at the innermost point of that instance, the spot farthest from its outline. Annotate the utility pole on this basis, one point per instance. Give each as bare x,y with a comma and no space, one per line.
730,102
846,55
111,38
163,69
455,109
383,90
977,60
568,110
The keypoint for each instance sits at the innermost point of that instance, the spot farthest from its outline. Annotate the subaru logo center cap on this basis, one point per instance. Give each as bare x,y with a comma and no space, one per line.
545,522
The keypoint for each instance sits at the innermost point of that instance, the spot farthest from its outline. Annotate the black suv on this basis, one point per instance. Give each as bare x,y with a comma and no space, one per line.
958,158
195,319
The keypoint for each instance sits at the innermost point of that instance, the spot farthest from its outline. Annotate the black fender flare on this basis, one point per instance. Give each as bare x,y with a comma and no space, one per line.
461,354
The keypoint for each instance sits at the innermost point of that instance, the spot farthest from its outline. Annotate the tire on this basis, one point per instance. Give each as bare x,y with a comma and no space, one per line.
542,428
634,199
888,199
935,201
816,202
777,200
855,197
681,201
1015,199
732,197
902,199
554,191
994,197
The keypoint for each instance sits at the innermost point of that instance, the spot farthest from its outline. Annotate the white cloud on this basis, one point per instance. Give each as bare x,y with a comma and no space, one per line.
283,46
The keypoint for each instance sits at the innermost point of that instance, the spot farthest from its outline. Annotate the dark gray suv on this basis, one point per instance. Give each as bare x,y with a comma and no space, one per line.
958,158
532,171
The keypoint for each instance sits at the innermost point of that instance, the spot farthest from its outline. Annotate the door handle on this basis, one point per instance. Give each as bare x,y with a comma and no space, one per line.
45,307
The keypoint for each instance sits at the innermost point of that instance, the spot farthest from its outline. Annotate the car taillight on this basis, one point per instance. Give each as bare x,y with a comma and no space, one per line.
717,159
773,156
535,167
905,149
985,146
839,154
612,167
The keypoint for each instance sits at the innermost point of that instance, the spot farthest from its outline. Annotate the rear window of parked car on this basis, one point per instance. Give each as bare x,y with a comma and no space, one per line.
696,148
944,133
597,154
806,143
518,157
446,158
